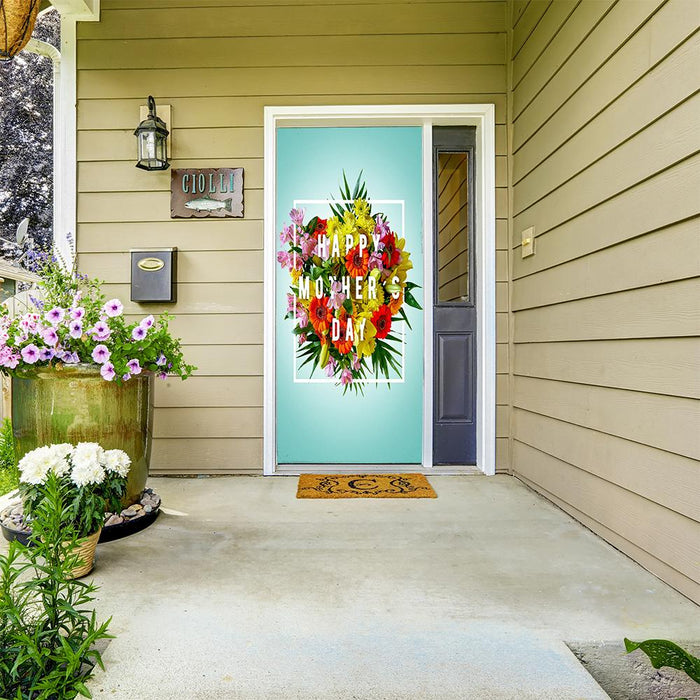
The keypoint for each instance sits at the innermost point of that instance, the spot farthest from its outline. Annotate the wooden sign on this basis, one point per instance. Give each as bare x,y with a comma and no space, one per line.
206,192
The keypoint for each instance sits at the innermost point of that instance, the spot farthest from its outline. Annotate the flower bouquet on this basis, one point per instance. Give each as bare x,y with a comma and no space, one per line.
73,323
349,285
93,480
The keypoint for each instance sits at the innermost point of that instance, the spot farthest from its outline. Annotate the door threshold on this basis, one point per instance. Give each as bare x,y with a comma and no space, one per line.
447,470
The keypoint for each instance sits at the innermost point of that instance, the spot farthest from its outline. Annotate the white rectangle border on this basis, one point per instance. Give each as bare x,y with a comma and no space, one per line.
482,116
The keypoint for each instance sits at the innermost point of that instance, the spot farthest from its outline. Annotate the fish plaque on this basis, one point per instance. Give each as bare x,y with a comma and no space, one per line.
202,193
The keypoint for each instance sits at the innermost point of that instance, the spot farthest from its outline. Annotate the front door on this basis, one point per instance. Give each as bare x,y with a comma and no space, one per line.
454,310
349,278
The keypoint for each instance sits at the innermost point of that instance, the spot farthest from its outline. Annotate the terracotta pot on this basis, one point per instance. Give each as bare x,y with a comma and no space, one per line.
85,549
74,404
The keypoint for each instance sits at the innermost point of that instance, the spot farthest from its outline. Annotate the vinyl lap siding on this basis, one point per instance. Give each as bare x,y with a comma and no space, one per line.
606,315
217,64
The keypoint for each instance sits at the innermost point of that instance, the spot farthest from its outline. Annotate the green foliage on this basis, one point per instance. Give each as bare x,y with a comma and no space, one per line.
47,629
9,473
661,652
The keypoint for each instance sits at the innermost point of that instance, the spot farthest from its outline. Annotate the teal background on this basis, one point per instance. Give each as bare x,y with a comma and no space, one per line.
316,423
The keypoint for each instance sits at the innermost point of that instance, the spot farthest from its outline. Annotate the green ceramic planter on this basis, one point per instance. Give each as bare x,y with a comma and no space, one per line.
74,404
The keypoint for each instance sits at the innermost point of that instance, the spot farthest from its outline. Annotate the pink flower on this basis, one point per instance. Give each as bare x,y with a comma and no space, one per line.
330,367
134,366
101,354
77,297
308,245
302,338
346,377
382,228
297,216
375,261
303,316
100,331
30,353
126,377
113,308
162,375
147,322
336,298
55,316
139,333
77,313
287,234
12,361
283,259
161,360
355,362
107,371
76,329
49,336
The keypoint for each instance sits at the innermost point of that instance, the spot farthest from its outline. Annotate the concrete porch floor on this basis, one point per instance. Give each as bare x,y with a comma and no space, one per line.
243,591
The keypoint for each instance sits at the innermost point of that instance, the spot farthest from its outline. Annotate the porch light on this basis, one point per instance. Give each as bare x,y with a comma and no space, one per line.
152,137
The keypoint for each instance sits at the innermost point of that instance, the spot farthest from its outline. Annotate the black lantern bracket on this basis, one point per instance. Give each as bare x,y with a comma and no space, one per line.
153,136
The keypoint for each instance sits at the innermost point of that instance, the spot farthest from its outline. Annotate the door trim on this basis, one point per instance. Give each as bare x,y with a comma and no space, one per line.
483,117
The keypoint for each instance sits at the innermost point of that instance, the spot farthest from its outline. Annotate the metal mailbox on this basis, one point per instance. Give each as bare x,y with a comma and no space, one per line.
154,275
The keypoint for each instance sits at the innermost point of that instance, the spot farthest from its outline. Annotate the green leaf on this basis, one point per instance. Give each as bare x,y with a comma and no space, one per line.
411,300
402,313
82,690
661,652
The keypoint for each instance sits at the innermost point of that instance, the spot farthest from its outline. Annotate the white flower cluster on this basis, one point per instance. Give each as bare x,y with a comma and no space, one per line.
87,463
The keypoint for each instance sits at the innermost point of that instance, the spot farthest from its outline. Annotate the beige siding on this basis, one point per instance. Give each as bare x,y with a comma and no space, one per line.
218,64
604,140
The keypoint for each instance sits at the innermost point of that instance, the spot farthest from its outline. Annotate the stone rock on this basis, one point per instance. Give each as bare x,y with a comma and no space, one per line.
136,506
114,519
140,514
148,508
128,512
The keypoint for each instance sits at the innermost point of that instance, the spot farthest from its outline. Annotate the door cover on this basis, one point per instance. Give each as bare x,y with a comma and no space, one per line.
349,278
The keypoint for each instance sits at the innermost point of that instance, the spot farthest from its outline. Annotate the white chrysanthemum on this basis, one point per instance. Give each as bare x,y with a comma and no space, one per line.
60,454
117,461
87,464
35,465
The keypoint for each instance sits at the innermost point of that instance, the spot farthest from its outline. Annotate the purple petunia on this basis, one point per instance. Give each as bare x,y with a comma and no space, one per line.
113,308
55,315
139,333
162,375
30,353
134,366
46,354
161,360
100,331
49,336
77,313
76,329
126,377
101,354
107,371
147,322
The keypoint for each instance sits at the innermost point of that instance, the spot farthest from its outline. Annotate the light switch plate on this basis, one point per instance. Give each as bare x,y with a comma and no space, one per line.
528,242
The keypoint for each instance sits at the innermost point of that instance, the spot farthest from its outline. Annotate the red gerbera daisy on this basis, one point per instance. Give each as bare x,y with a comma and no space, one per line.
357,263
321,228
320,315
381,320
390,255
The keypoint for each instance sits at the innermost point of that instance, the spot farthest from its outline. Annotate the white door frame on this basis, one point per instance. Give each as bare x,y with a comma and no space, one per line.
482,116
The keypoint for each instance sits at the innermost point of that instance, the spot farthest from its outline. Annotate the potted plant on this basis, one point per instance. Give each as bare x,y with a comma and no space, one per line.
92,480
82,372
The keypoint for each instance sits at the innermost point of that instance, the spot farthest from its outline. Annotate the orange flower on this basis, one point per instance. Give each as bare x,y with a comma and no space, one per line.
357,263
395,304
381,320
320,315
343,346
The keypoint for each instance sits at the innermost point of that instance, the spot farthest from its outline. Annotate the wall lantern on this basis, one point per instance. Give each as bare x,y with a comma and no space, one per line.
152,137
17,19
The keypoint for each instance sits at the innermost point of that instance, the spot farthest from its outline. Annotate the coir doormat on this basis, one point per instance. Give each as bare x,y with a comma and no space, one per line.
364,486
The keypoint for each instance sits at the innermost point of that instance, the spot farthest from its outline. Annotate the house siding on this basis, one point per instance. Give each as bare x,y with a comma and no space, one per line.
604,141
218,66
